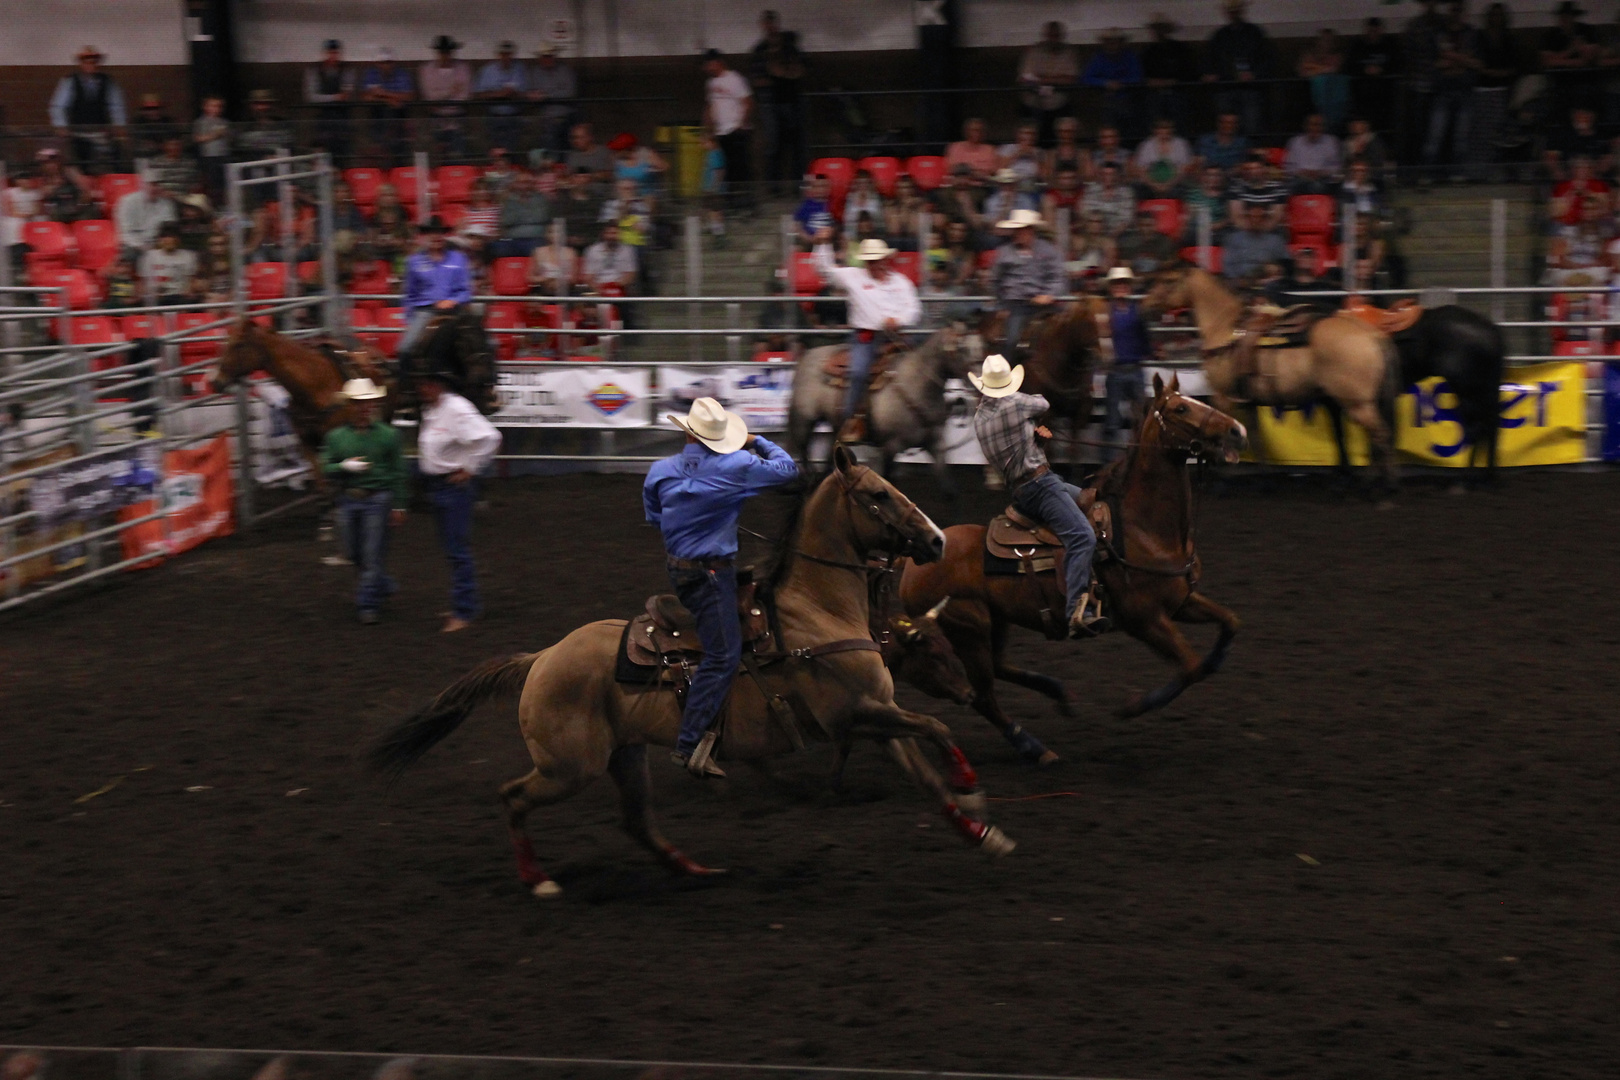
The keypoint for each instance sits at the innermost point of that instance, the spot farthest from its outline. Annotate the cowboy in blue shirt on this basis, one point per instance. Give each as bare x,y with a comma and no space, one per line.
436,279
694,498
1133,347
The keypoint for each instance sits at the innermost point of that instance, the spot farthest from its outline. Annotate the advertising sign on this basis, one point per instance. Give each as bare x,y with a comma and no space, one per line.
759,393
572,397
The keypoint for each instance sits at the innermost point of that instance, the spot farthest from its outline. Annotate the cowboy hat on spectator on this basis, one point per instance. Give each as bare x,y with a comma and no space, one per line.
1120,273
997,378
1022,219
710,424
89,52
1005,176
445,43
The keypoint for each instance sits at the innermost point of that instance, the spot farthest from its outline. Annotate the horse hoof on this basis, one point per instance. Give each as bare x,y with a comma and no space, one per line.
974,805
1048,759
547,890
996,843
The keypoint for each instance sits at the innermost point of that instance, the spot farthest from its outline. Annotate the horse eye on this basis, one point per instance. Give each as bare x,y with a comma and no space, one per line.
880,495
1181,408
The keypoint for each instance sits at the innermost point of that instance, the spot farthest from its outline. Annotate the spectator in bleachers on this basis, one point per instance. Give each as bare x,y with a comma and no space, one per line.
1254,186
610,262
88,109
1585,244
1361,189
1456,58
1210,197
1144,248
330,86
1008,196
778,70
1067,152
1248,249
167,269
584,152
1238,54
172,170
446,80
1093,251
1225,148
120,288
957,253
140,215
1109,150
1117,72
214,266
866,228
150,125
265,133
64,192
388,89
907,215
1168,66
1027,276
499,172
390,235
971,151
349,224
863,198
1022,156
1046,72
1570,195
956,199
196,221
437,278
580,208
481,221
813,217
1579,139
1322,65
1499,68
1314,160
503,83
554,85
1365,143
1065,194
211,140
1373,62
728,113
1112,199
633,213
525,217
20,203
1367,253
1162,162
641,165
553,269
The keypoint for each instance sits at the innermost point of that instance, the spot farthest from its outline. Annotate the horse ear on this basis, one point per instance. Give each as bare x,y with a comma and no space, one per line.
1175,382
843,460
1158,385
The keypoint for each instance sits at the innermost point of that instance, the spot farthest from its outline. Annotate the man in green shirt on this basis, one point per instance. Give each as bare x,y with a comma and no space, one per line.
363,458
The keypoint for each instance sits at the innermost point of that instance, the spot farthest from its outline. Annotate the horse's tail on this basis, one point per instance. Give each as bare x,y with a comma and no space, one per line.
1390,389
402,745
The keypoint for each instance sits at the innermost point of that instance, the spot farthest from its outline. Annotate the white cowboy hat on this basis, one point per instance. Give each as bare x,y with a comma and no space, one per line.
873,250
1121,273
997,379
1022,219
363,390
710,424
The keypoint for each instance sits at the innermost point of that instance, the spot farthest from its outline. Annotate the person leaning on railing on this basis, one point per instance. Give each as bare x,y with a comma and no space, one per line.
85,105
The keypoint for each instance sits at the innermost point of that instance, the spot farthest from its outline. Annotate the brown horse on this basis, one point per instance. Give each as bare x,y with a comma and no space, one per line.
1063,356
1346,364
313,381
579,722
1152,583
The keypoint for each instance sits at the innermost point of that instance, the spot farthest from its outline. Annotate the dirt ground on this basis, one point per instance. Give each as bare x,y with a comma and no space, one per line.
1382,842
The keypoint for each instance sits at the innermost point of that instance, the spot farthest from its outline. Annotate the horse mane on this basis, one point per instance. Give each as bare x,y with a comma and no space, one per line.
797,495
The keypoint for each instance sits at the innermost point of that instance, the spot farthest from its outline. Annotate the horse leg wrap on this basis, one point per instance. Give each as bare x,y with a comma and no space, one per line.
963,778
987,838
679,863
528,863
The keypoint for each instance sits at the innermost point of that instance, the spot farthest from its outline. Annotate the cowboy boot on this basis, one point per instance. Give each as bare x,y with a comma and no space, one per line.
1088,619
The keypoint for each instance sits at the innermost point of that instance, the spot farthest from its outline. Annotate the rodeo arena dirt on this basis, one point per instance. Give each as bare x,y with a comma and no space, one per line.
354,606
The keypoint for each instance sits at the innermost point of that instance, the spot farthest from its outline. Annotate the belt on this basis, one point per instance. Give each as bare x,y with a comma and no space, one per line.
865,337
1034,476
713,562
362,493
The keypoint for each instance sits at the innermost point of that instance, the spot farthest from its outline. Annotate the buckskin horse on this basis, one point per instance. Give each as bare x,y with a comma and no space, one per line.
313,378
1336,359
1149,568
580,721
1062,357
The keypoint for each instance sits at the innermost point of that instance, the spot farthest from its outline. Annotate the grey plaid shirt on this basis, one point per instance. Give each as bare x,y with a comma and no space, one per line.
1006,430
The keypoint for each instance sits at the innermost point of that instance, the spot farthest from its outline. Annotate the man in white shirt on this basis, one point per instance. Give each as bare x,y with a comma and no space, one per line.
140,215
729,114
610,261
455,444
166,271
1313,161
881,300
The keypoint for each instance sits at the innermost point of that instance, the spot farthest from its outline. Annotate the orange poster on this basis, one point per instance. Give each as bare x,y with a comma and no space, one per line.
198,500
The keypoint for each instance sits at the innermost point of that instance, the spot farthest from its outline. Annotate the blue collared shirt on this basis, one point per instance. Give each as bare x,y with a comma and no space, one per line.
1130,334
429,280
694,497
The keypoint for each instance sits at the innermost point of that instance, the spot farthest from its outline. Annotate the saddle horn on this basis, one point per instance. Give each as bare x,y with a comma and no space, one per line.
933,612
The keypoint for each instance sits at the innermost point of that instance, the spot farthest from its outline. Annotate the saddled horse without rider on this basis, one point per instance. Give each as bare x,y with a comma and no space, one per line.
821,678
1147,564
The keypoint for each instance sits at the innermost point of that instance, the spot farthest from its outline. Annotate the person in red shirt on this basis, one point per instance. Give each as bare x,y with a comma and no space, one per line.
1568,196
973,152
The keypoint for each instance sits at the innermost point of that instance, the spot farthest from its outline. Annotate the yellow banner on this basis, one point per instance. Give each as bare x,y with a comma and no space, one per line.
1543,423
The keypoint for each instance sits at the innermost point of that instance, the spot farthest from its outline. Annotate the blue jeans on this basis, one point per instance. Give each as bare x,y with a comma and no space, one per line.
861,355
452,512
1019,312
1123,385
1050,501
415,323
711,596
364,521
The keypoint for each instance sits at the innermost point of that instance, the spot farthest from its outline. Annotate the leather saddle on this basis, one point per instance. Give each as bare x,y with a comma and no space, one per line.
836,371
665,633
1036,548
1287,329
1395,319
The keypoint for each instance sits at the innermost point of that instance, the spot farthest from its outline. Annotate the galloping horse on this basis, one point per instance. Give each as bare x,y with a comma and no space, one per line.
1063,355
1346,364
312,378
907,410
1152,580
1465,349
580,723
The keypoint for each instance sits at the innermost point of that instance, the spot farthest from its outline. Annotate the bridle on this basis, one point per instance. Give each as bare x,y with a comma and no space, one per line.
1174,420
895,541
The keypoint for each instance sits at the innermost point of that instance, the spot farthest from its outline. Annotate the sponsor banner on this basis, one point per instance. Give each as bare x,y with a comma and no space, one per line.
197,498
81,490
17,497
759,393
1611,412
1543,423
572,397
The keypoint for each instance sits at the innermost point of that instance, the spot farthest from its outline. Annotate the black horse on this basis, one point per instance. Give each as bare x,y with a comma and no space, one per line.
455,344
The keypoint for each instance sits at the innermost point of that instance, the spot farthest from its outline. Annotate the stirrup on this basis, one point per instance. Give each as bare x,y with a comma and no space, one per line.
701,762
853,429
1089,620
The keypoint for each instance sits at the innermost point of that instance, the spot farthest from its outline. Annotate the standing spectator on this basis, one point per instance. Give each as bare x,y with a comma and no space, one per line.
1497,71
972,151
778,71
87,107
1456,58
1323,66
1067,153
1373,63
211,138
1255,187
172,170
956,200
1111,200
1162,162
330,87
524,219
1108,151
610,262
437,278
1226,147
814,217
388,88
166,270
1027,277
1565,48
863,198
1239,53
455,444
150,126
1420,53
503,83
728,114
1117,72
1313,159
1145,249
364,458
1168,66
140,215
584,152
1249,249
1209,198
64,192
1022,156
907,216
449,81
265,134
1046,72
1133,347
555,86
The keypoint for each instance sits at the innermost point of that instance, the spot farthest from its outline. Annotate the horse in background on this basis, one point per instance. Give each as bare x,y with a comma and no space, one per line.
454,342
1064,350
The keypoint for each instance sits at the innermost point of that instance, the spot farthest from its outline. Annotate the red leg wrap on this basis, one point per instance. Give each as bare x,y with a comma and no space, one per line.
680,864
972,831
963,778
528,863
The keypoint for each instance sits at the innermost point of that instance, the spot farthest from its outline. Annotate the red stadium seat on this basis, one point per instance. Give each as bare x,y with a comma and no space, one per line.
1275,154
839,171
50,245
455,183
309,273
803,278
908,263
452,214
1207,257
404,179
885,173
1168,215
94,330
504,317
509,276
393,319
1578,348
361,317
1310,215
82,293
114,186
266,281
135,327
363,184
98,243
370,278
1579,307
198,352
928,170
